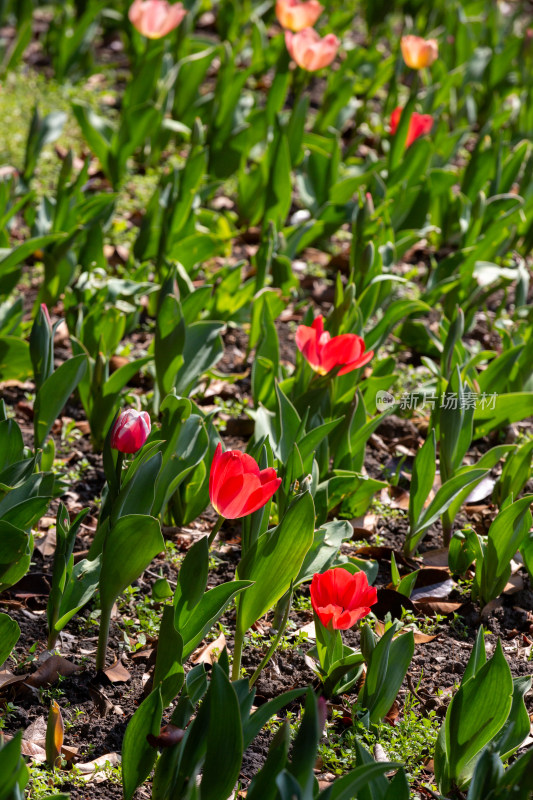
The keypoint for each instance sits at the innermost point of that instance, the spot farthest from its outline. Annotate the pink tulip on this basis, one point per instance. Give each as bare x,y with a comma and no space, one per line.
418,52
130,431
155,18
310,51
296,16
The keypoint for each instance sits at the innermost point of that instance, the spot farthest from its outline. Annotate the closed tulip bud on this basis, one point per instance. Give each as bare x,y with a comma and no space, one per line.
419,125
340,599
324,353
237,487
309,50
417,52
130,431
155,18
296,16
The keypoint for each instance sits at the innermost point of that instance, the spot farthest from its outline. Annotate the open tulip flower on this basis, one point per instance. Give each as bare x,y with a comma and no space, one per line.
341,599
237,487
324,353
419,125
130,431
417,52
296,16
310,50
155,18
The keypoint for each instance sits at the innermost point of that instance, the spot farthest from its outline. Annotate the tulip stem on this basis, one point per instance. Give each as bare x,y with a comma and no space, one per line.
237,656
218,525
275,642
119,465
103,636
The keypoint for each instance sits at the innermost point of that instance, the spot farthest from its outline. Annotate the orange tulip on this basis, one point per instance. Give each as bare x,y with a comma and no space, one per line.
418,52
296,16
155,18
309,50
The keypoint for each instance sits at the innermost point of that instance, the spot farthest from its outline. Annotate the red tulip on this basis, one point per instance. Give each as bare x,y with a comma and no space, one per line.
418,52
130,431
155,18
237,486
325,353
419,125
296,16
310,51
341,599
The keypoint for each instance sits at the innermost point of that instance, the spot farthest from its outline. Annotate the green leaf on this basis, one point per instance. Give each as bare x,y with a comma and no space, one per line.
505,536
440,503
225,747
508,408
477,712
9,636
169,671
275,560
130,546
54,393
138,757
15,363
209,609
81,587
422,480
259,718
192,582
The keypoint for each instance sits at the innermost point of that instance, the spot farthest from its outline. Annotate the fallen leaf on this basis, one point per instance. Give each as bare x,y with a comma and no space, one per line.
432,605
391,716
438,591
436,558
50,670
309,629
101,701
36,732
491,606
210,653
33,751
46,544
482,490
390,601
117,673
422,638
514,584
93,771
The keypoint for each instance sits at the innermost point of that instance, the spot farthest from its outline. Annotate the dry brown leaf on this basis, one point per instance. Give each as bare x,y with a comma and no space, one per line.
92,772
34,751
514,584
211,652
117,673
422,638
436,558
102,702
487,610
391,601
36,732
50,670
435,606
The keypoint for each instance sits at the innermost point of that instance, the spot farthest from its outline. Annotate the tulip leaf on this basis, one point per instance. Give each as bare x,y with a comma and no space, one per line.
209,609
275,560
138,757
505,537
477,713
9,636
224,739
54,393
130,546
79,590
